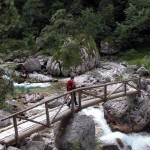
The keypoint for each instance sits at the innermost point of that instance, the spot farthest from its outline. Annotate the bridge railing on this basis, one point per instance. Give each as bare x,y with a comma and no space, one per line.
101,92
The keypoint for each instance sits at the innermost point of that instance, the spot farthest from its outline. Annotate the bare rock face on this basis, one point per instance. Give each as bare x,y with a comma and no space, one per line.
53,67
107,48
32,65
77,133
128,114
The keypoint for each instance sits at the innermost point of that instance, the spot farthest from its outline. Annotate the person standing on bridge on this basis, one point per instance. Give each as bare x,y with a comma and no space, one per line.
71,85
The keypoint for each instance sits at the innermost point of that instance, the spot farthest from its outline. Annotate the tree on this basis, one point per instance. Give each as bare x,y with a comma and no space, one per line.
35,16
135,30
89,23
6,86
53,35
10,26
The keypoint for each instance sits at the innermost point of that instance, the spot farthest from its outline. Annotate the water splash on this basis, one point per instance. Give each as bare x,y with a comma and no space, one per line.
138,141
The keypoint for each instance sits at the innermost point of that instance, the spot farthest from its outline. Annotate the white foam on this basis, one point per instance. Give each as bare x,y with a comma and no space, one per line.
138,141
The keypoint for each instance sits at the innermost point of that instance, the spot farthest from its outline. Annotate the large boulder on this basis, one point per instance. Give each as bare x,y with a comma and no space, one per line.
128,114
77,133
53,67
40,77
35,145
84,59
32,65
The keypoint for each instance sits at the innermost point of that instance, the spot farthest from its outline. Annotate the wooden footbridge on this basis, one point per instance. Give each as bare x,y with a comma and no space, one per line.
86,96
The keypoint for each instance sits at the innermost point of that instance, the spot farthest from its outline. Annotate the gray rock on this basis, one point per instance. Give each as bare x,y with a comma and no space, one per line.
55,104
107,48
32,65
35,145
40,77
36,137
128,114
133,68
4,123
143,71
9,57
89,61
148,88
12,148
145,83
53,67
1,147
1,61
78,132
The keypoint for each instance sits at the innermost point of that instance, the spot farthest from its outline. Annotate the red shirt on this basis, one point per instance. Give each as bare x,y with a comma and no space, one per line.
70,85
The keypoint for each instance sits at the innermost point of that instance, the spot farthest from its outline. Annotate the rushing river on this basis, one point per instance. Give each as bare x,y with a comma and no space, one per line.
138,141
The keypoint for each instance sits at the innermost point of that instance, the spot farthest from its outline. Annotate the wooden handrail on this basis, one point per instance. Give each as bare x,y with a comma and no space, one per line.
103,96
62,95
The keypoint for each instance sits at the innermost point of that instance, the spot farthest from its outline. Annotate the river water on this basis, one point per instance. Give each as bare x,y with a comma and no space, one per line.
138,141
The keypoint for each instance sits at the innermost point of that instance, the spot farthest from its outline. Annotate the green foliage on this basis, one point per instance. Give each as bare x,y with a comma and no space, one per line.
96,144
74,145
34,13
70,53
135,29
89,22
138,57
9,18
6,86
23,21
130,54
52,36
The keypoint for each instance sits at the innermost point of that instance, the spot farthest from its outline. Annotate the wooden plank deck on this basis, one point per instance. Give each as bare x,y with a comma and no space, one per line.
7,135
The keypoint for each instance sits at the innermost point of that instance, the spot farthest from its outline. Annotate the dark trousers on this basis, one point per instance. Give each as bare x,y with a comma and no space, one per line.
75,101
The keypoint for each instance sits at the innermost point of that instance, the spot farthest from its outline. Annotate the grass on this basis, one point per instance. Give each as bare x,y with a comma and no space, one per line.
139,57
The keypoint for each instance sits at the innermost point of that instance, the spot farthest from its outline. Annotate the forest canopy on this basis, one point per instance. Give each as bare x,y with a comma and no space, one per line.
43,25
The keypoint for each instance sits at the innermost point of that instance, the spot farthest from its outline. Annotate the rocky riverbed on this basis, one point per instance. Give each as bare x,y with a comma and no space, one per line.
107,72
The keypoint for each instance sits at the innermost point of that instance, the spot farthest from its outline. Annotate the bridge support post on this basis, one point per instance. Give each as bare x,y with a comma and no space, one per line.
47,115
16,129
72,102
105,93
79,95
